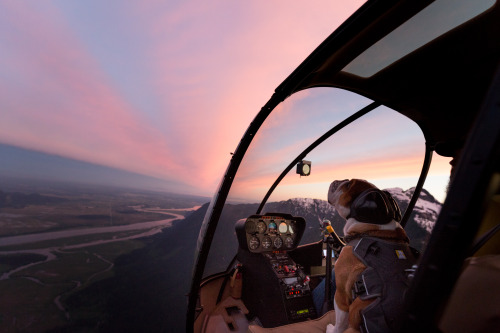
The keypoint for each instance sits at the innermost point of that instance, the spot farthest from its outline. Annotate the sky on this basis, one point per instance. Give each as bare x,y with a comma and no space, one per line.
158,88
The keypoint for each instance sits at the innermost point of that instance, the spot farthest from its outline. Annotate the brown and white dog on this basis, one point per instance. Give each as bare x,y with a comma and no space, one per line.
342,194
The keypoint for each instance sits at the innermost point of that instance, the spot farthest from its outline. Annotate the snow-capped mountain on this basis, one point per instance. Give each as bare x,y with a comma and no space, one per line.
426,209
419,225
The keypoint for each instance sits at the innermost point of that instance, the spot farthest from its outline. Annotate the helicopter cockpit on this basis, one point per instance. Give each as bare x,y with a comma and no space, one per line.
373,101
267,180
278,240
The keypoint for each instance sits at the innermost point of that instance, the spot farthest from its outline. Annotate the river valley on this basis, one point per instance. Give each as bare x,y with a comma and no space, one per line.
62,263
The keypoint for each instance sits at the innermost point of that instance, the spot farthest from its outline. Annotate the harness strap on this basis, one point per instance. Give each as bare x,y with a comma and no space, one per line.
385,280
349,238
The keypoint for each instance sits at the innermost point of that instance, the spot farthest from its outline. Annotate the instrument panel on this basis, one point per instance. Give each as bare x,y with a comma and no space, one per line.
270,232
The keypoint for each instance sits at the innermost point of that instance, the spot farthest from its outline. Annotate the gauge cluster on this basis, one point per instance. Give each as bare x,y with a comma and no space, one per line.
270,232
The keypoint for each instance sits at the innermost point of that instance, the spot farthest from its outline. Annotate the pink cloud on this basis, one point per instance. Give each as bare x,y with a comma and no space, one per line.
211,66
240,54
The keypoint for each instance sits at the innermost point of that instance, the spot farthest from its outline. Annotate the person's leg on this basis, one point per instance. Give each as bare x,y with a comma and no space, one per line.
318,294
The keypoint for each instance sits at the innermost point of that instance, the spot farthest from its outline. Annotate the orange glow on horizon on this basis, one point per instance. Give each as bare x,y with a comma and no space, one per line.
316,185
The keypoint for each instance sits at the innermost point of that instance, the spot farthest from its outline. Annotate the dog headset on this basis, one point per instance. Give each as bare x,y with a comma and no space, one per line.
376,207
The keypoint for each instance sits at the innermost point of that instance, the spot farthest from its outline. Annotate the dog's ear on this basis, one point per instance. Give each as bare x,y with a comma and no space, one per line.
376,207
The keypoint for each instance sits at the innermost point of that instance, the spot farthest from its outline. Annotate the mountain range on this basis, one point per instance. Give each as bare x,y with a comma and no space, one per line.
419,225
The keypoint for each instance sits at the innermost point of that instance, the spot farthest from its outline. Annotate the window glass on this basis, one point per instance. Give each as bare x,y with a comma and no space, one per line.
382,147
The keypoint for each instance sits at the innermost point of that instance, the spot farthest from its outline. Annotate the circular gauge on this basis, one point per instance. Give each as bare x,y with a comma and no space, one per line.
288,242
261,227
266,242
278,242
272,227
292,227
250,227
283,227
253,243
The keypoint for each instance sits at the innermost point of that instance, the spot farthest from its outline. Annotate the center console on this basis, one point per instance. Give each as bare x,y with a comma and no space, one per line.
275,289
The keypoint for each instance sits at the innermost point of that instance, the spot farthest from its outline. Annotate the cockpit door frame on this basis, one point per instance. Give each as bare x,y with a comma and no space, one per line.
212,217
219,200
458,221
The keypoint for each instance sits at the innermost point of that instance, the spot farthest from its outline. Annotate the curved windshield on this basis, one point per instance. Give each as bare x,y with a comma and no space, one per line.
382,147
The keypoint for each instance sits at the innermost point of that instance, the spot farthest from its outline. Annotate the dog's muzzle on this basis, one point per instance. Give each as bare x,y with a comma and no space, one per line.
336,184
